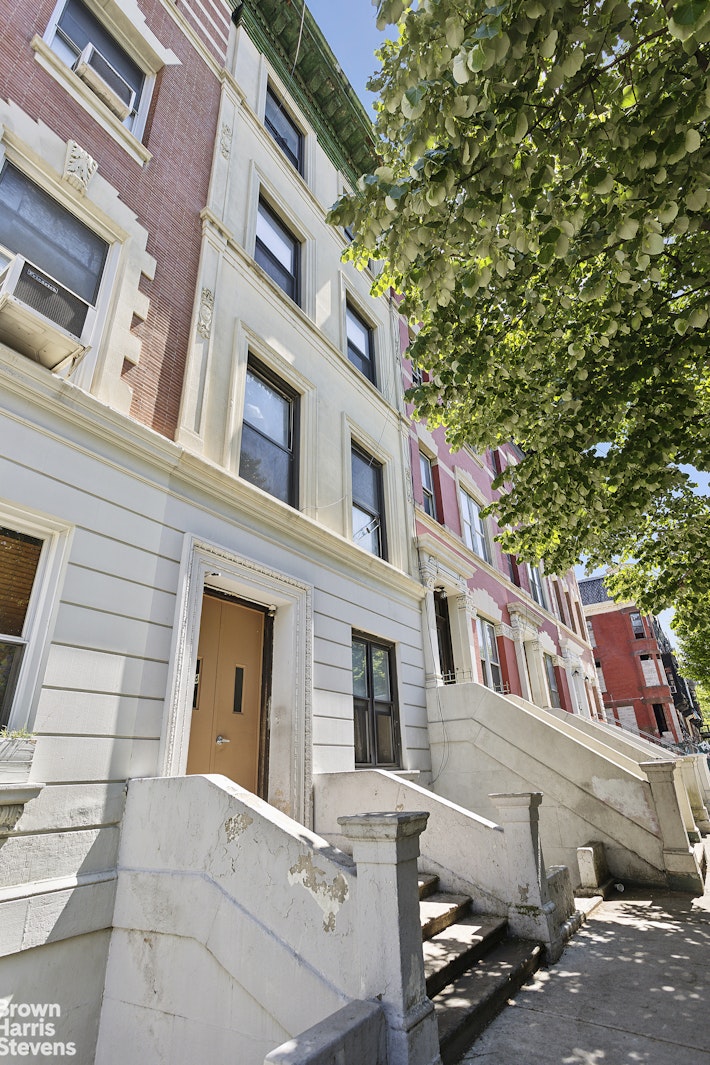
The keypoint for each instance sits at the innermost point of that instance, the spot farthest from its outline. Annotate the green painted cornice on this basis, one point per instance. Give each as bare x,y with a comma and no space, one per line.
318,84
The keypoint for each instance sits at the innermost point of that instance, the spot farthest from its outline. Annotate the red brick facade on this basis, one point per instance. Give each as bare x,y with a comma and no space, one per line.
166,194
630,668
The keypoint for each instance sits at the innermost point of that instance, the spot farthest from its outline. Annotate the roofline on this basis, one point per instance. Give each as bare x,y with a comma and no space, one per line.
341,123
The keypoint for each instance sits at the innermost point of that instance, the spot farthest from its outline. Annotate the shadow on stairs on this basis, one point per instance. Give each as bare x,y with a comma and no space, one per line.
472,966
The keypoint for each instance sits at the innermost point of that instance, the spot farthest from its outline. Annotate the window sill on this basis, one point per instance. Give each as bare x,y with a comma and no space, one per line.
87,99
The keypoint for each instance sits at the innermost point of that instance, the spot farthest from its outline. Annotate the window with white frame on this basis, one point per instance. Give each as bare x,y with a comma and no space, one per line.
65,259
278,251
19,559
552,685
283,130
488,651
590,634
427,472
536,590
637,626
474,527
360,343
90,49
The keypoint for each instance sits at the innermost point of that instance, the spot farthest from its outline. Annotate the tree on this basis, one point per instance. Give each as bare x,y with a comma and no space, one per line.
541,203
694,643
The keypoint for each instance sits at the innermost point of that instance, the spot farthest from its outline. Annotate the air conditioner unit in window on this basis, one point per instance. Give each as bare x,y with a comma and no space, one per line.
94,69
39,317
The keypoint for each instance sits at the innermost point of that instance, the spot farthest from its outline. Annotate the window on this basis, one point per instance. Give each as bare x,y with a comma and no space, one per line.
443,637
427,485
638,626
417,376
513,569
368,510
35,226
488,649
474,528
600,676
360,346
19,557
374,703
107,68
535,578
284,130
277,251
650,671
660,715
552,682
590,634
268,456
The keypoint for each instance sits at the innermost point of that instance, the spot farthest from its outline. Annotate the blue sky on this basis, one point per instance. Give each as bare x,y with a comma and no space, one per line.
350,30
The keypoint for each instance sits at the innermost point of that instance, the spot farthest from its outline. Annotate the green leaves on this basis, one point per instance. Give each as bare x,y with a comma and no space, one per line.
542,206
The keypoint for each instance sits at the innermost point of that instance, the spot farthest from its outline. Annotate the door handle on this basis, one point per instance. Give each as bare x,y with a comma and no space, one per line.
220,740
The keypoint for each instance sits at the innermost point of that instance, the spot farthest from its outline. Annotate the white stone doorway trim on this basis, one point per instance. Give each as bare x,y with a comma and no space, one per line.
209,565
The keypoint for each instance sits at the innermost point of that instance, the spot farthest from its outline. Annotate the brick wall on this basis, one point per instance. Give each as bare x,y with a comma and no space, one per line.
166,195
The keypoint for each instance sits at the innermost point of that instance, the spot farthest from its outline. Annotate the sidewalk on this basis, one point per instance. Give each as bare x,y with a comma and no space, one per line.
632,988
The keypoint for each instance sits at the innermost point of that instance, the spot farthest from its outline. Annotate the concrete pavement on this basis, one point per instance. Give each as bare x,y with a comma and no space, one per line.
632,988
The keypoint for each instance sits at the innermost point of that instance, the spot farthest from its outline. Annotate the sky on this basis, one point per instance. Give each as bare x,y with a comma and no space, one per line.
350,30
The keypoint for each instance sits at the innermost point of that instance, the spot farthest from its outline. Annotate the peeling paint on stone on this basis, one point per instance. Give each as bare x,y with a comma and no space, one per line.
234,826
329,895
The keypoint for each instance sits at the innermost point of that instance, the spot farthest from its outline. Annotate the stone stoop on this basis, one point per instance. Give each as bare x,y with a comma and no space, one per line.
472,966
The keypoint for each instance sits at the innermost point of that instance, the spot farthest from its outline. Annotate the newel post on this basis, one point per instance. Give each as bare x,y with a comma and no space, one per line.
678,858
385,850
531,912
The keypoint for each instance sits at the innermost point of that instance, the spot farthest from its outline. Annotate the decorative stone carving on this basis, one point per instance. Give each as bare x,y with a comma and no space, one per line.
225,140
79,167
505,630
12,802
206,312
465,602
429,572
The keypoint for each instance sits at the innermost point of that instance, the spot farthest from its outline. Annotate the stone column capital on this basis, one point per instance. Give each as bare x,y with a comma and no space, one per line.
386,826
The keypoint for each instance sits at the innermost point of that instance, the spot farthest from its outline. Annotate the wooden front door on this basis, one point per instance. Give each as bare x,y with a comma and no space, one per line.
226,715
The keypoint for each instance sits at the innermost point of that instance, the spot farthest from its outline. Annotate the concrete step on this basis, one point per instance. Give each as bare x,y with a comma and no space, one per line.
428,884
440,910
466,1006
451,952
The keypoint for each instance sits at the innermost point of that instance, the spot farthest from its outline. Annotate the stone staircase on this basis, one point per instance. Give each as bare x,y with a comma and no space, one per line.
472,967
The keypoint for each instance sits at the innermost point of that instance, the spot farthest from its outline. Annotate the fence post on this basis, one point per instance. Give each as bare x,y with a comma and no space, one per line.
385,850
679,860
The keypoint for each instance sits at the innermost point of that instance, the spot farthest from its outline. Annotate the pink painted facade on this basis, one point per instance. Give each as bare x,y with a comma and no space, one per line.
526,629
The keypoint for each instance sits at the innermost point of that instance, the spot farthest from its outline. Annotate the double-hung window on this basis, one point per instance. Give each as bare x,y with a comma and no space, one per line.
368,508
65,260
536,590
278,251
374,703
284,130
360,345
474,528
427,484
19,558
89,48
269,454
638,626
488,650
552,682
